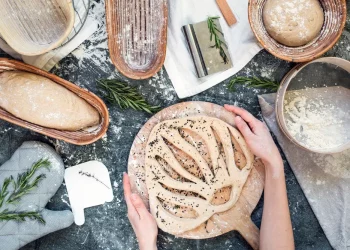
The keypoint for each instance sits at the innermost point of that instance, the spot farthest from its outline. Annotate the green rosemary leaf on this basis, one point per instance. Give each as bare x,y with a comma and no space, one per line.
214,32
219,30
253,82
21,216
124,96
4,192
23,185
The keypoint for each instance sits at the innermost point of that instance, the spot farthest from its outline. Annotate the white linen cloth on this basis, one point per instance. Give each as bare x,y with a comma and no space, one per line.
324,178
48,60
240,39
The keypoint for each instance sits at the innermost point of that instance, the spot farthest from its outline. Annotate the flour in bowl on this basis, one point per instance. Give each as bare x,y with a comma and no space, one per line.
318,118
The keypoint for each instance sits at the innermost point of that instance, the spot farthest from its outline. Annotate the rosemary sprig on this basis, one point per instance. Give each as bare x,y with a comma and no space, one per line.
253,82
3,191
21,216
21,186
87,174
120,93
214,33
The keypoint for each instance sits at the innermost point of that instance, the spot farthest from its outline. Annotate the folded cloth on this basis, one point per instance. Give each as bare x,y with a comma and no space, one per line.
240,39
325,180
48,60
15,234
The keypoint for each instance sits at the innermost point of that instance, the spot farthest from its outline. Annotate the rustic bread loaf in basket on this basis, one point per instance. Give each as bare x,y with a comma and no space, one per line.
80,137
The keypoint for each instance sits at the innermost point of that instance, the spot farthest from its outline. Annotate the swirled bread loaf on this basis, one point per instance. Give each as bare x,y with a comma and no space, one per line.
190,163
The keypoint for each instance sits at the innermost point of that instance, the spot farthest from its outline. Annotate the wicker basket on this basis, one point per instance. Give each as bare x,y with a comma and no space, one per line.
35,27
81,137
137,36
333,26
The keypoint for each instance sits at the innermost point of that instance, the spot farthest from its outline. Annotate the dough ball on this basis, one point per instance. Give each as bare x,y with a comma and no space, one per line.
293,22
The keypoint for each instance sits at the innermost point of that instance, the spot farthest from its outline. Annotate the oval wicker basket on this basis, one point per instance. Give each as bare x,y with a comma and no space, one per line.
335,18
36,26
137,36
80,137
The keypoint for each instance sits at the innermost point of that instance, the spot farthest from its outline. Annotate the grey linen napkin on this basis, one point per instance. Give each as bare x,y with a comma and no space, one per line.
325,180
14,235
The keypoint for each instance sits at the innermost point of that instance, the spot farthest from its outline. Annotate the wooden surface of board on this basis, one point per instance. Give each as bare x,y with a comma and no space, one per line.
239,216
226,12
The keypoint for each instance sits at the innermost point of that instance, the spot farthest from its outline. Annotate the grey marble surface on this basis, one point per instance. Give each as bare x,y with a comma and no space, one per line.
107,226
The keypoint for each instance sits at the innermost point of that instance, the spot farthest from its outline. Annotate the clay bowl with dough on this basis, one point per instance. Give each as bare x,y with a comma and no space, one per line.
334,23
137,36
36,26
81,137
281,97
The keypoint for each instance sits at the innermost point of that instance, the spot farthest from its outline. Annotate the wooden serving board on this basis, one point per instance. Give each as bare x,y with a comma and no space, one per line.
238,217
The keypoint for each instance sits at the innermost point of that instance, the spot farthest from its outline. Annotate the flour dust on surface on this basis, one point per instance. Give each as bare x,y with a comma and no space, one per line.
336,165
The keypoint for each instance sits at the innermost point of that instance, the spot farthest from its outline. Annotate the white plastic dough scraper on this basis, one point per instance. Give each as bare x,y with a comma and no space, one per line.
88,184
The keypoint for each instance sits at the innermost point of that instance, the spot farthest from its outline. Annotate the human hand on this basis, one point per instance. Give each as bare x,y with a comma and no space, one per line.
257,136
143,223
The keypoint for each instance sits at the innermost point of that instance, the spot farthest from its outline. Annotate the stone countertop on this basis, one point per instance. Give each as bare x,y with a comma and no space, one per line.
107,226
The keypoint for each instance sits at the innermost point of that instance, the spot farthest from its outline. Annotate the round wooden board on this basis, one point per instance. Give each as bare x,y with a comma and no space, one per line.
238,217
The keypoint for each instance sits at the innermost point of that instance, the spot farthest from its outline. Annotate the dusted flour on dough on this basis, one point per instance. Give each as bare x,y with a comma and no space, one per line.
195,167
293,22
318,118
39,100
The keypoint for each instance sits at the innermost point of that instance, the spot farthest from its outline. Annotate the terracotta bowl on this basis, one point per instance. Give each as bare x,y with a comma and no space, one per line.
335,18
81,137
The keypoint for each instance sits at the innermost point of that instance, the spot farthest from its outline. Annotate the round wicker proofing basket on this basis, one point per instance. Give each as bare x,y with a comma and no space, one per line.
335,18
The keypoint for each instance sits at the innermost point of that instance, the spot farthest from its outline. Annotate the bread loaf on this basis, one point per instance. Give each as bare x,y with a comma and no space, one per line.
39,100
